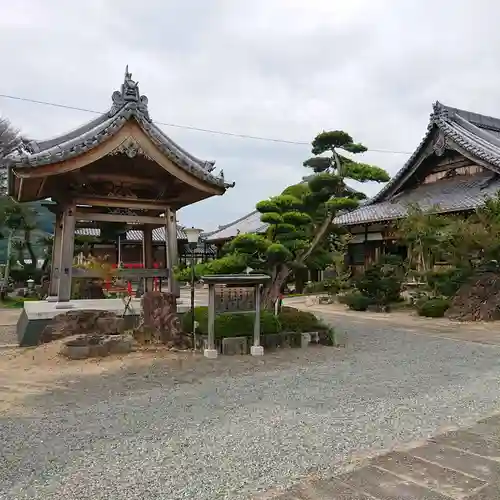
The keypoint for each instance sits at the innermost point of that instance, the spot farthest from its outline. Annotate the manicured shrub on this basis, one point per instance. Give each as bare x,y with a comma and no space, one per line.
294,320
231,324
381,282
433,308
447,282
330,286
356,301
241,324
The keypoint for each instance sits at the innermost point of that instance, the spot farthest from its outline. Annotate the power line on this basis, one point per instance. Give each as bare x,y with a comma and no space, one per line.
187,127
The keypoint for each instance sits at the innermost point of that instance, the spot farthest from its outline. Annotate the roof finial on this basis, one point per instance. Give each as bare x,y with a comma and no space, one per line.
129,94
439,112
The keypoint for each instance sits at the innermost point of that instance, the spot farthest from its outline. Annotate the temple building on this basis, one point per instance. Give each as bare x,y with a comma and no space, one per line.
454,169
118,168
129,250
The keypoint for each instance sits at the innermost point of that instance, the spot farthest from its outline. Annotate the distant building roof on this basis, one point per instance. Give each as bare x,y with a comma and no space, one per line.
134,235
457,194
249,223
474,135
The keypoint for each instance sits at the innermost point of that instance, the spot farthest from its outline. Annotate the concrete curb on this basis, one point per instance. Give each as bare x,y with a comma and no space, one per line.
5,347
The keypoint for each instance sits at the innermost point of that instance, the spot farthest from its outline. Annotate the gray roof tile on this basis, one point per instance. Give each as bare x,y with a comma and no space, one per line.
476,134
451,195
249,223
479,137
127,103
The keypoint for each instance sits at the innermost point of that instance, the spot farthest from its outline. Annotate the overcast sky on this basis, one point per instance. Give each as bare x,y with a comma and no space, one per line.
283,69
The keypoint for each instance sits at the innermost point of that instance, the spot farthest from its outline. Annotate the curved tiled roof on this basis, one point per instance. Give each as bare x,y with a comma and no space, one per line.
457,194
476,134
127,103
249,223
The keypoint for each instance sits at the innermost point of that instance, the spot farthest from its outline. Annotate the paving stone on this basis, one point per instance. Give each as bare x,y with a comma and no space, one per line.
476,466
323,490
472,443
333,490
384,485
433,476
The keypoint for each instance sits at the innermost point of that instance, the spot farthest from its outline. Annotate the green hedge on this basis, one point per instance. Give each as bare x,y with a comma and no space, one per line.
231,324
433,308
447,282
241,324
293,320
356,301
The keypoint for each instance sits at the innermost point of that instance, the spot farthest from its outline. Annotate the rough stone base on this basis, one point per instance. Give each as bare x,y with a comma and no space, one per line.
37,314
160,317
97,346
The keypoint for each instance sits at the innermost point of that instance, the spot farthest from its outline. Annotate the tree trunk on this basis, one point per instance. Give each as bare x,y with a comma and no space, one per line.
273,290
6,275
300,280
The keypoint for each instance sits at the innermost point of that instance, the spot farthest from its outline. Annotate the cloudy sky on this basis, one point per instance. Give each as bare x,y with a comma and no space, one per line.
283,69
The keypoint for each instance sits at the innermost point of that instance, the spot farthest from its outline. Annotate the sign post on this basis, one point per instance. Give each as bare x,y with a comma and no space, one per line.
234,293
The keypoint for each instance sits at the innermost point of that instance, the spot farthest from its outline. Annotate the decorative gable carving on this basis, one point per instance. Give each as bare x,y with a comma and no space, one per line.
129,147
440,144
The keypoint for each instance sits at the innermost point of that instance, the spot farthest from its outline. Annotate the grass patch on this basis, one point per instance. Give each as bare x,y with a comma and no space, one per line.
15,302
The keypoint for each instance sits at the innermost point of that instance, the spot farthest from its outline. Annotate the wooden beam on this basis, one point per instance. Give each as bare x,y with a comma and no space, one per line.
172,257
129,219
118,178
104,210
66,257
40,188
101,201
130,274
147,248
20,192
56,256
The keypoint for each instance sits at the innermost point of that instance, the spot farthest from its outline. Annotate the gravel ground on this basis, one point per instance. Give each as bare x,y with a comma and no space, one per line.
8,335
228,428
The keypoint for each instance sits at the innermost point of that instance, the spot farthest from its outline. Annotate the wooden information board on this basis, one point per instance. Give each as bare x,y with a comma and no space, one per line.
234,299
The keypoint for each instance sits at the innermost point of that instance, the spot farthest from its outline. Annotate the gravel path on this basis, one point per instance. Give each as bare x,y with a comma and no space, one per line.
231,427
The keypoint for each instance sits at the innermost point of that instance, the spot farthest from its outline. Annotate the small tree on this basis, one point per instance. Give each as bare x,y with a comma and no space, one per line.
423,232
381,282
9,140
17,218
300,220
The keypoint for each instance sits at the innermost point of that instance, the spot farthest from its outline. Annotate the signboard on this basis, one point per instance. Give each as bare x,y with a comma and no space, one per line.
234,299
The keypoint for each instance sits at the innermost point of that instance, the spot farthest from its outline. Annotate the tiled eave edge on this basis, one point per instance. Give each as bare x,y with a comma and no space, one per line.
395,218
107,129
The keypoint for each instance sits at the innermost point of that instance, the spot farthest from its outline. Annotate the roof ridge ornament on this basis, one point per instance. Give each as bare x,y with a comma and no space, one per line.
129,95
439,110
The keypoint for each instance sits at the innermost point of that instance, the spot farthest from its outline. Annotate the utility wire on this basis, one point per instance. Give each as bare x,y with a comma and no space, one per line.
188,127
